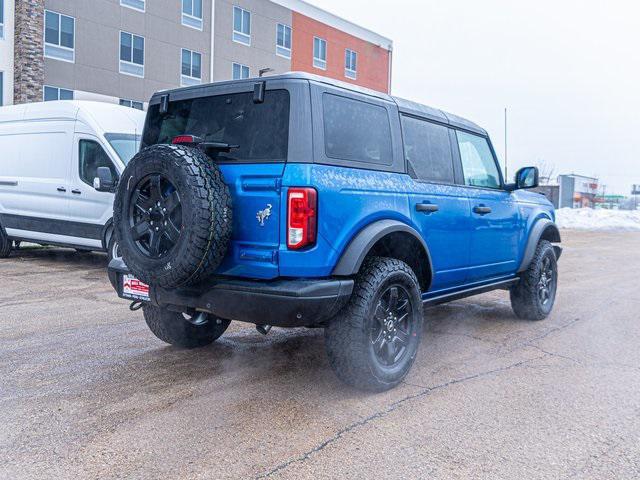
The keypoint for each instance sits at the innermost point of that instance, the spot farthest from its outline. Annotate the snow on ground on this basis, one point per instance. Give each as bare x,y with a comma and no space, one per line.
589,219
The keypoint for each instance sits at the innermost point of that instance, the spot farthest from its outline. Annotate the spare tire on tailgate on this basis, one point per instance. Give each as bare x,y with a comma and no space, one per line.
172,212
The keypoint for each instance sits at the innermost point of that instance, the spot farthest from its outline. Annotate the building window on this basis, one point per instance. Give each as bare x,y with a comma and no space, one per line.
131,54
240,72
241,26
283,41
135,4
351,64
192,13
54,93
1,21
319,53
131,104
59,36
191,68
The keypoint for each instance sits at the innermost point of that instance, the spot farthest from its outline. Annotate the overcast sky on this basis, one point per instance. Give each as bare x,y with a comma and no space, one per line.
568,71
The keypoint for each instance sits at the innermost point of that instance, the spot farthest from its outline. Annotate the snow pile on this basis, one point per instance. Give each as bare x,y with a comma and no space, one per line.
589,219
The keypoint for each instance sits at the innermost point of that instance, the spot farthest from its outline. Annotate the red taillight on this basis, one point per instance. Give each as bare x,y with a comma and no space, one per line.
185,139
302,217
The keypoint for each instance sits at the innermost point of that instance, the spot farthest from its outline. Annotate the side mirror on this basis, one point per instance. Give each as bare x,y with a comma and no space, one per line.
526,178
104,182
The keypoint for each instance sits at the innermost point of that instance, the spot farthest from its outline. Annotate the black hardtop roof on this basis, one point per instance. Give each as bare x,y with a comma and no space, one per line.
405,106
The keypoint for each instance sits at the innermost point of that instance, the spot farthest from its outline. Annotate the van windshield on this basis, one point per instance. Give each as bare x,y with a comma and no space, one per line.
125,145
260,130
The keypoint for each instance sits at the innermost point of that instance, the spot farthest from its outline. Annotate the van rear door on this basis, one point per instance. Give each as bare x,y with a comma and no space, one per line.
257,133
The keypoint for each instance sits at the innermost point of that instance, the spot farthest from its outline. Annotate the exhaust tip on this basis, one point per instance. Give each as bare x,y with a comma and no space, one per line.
264,329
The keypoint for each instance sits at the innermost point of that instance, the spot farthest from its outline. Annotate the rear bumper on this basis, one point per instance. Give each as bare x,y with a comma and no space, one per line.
281,303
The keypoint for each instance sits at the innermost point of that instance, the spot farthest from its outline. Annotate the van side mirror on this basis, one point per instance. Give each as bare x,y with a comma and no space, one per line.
526,178
104,182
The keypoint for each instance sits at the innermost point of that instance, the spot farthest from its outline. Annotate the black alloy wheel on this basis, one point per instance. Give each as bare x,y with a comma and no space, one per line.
155,216
534,296
392,326
546,284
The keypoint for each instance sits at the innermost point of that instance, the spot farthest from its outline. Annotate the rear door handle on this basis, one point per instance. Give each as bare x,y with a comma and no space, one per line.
482,210
77,192
427,207
62,189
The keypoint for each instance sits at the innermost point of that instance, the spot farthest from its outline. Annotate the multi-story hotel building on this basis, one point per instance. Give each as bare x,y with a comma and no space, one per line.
122,51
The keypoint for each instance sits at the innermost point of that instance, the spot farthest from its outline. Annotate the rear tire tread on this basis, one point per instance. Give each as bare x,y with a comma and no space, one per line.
346,337
6,245
174,329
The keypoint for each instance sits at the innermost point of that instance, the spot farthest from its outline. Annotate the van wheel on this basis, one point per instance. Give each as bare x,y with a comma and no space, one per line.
534,296
372,343
5,244
182,330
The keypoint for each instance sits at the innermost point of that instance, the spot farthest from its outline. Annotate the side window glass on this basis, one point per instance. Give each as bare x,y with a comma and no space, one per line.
355,130
427,150
478,164
91,157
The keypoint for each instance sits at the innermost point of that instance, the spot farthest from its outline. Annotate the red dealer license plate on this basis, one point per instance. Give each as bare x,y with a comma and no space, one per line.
134,289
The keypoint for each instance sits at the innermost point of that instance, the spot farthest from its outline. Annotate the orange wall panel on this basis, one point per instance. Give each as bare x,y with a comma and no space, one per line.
373,61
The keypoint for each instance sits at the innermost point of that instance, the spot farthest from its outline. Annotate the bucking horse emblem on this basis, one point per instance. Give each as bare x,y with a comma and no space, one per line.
263,215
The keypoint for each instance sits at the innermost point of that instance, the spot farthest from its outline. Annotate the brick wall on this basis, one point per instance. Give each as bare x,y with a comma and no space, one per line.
29,51
373,60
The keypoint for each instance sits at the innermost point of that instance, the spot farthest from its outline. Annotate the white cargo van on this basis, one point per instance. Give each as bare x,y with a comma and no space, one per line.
49,158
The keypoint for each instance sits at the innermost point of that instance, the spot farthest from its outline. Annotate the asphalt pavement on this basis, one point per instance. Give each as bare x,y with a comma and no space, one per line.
86,391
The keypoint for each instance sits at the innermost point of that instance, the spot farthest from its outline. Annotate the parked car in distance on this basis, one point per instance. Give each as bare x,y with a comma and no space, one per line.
300,201
50,153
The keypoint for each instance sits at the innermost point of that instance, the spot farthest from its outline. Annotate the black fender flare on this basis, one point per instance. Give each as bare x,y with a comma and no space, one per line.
357,250
542,227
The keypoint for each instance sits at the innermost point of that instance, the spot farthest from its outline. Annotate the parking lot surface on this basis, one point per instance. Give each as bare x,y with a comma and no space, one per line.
86,391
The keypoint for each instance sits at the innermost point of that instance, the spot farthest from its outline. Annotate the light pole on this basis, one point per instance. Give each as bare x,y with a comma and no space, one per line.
506,164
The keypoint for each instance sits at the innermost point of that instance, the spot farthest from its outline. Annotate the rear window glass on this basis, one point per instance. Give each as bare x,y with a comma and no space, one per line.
261,130
357,131
427,150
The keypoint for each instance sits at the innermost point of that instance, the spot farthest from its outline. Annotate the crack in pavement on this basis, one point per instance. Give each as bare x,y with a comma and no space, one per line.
553,354
553,330
466,335
425,391
383,413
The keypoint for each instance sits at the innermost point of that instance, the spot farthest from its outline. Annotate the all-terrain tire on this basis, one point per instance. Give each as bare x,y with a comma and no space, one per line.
205,209
349,337
528,300
175,329
5,244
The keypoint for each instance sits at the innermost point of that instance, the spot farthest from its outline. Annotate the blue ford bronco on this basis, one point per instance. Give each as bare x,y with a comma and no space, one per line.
298,201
